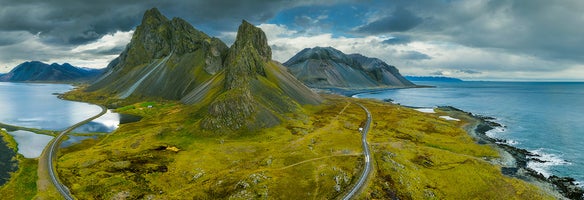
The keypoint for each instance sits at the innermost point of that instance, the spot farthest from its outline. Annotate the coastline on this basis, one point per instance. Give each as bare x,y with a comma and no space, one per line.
353,91
514,160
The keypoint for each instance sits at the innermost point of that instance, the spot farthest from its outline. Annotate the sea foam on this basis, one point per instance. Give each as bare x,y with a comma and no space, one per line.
549,160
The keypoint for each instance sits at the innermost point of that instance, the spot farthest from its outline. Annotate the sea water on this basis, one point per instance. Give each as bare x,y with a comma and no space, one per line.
544,118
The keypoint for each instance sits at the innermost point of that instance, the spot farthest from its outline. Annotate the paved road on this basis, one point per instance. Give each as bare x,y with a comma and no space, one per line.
52,151
367,154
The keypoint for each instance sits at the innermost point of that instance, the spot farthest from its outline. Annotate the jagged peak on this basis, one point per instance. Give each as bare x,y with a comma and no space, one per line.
248,34
153,16
247,56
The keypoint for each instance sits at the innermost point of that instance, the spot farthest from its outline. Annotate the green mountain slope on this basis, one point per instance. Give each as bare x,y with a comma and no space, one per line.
254,89
166,58
237,88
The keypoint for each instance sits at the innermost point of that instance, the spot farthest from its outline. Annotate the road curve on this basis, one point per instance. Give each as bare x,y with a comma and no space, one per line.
52,151
367,154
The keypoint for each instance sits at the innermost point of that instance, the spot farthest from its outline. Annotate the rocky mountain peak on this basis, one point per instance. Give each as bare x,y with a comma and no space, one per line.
165,58
256,90
247,56
325,67
320,53
153,17
250,36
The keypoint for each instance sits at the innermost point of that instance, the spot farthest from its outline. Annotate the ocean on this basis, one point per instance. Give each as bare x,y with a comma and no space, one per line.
542,117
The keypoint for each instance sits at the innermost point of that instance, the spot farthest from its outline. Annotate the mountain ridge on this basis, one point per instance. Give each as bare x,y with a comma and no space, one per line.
326,67
165,58
37,71
235,88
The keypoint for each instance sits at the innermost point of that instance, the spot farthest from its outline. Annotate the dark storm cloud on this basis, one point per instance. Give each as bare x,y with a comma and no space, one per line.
538,28
12,37
69,22
400,20
73,22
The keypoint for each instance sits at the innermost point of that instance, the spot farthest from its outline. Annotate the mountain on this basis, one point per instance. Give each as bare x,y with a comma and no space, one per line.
165,58
326,67
433,78
253,91
236,88
39,71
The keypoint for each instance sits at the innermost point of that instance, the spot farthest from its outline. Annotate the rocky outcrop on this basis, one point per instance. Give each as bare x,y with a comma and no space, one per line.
256,90
326,67
38,71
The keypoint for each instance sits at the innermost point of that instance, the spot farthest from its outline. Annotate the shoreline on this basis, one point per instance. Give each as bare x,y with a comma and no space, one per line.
514,160
349,92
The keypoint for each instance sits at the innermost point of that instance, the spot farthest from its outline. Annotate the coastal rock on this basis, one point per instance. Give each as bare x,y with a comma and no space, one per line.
568,187
565,185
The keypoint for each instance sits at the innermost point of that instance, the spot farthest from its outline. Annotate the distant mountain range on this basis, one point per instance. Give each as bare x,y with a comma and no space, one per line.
237,88
326,67
36,71
433,78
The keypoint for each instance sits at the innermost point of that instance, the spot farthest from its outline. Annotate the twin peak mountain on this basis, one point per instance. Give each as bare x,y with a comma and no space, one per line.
237,87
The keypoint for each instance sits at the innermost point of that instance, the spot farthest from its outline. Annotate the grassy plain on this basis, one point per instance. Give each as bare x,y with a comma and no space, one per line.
312,155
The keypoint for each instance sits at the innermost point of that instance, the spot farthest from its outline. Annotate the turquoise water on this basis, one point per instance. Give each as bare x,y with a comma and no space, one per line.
545,118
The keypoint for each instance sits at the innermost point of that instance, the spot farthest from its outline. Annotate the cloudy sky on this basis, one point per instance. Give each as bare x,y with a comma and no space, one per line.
469,39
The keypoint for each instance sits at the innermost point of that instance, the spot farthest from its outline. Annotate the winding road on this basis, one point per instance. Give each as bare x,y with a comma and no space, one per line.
52,151
367,154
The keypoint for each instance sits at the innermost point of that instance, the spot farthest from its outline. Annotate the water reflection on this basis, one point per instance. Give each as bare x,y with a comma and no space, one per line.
107,123
74,139
30,144
104,124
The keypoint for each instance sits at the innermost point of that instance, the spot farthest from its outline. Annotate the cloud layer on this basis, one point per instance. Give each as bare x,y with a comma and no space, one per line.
476,39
